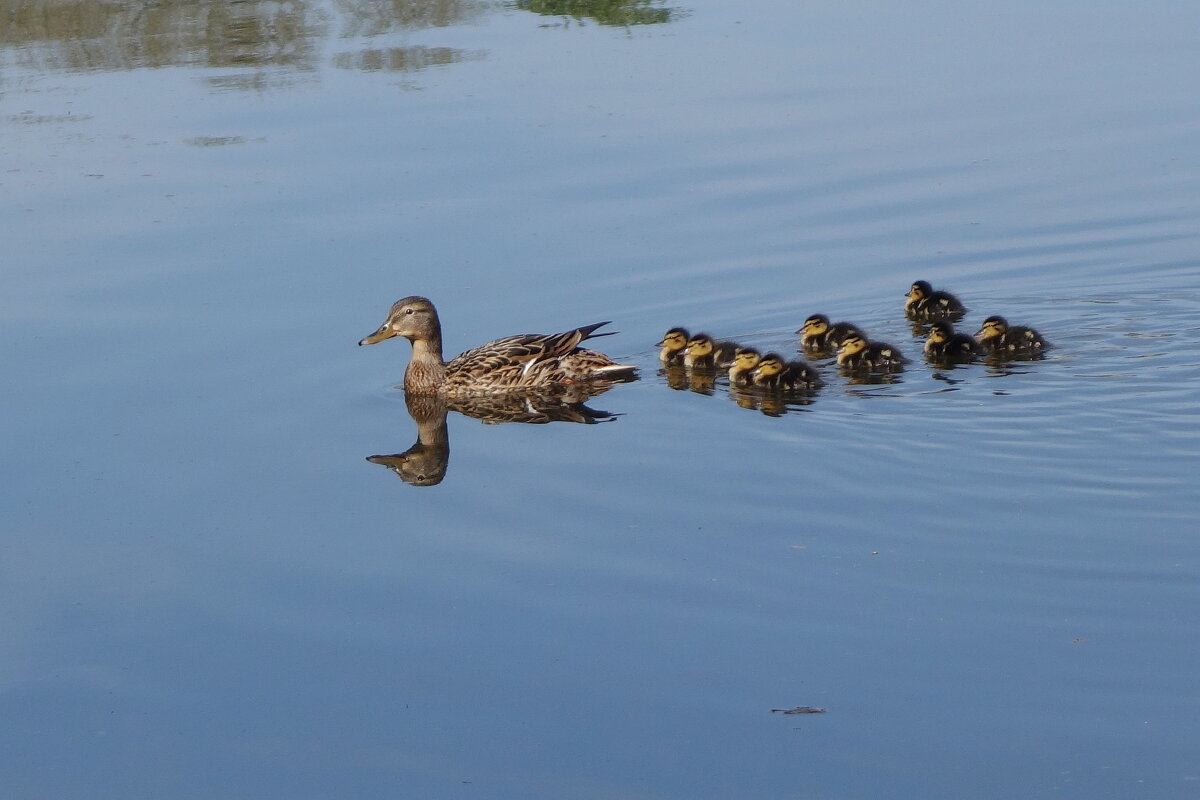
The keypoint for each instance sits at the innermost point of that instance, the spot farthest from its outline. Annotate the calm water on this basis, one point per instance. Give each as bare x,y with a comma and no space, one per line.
988,577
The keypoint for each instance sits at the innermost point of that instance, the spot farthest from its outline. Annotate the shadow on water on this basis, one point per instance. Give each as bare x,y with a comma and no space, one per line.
425,463
261,44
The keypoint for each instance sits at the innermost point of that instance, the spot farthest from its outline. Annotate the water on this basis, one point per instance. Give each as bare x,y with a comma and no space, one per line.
986,576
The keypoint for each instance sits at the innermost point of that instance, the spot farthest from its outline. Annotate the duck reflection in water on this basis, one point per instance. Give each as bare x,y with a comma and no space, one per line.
425,463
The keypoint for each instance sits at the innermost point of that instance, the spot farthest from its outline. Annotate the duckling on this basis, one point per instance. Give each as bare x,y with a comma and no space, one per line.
673,344
701,353
818,335
514,363
773,372
925,302
944,344
724,354
997,336
799,376
858,353
767,373
744,362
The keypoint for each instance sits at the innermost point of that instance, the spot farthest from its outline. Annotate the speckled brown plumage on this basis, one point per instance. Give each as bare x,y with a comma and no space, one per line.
514,363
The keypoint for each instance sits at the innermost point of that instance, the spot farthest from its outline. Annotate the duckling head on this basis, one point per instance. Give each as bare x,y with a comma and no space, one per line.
414,318
745,358
700,345
918,291
816,325
940,332
770,365
852,345
992,327
676,339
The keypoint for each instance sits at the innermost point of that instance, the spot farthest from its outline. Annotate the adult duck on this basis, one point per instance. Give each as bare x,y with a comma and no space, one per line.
514,363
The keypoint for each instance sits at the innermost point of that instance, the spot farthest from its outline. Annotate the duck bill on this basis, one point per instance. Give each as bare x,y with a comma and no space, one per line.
384,332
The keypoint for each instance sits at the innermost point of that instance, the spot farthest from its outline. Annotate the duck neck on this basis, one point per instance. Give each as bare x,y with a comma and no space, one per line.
426,371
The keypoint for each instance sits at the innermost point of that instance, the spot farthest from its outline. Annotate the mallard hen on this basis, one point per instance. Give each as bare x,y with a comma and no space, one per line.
514,363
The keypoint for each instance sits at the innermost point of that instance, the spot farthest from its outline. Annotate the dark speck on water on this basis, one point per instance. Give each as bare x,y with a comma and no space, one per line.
214,595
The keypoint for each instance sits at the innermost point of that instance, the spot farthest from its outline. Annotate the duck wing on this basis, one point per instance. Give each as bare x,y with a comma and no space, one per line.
509,360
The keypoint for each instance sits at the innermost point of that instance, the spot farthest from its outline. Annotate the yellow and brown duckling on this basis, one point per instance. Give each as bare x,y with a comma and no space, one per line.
944,344
724,354
705,352
745,359
514,363
819,335
857,352
997,336
699,351
673,346
774,373
923,302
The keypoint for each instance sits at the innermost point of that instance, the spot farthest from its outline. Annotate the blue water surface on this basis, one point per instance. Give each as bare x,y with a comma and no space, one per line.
987,576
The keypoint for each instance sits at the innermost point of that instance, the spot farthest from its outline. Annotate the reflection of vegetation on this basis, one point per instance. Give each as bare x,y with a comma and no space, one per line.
377,17
258,42
401,59
214,141
605,12
85,35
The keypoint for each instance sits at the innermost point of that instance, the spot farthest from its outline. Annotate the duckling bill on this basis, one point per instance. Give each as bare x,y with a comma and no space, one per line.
514,363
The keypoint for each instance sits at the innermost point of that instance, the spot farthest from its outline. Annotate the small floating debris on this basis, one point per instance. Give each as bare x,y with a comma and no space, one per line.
798,710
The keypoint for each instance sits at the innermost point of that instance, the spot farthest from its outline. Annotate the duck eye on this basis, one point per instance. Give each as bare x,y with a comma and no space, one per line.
408,311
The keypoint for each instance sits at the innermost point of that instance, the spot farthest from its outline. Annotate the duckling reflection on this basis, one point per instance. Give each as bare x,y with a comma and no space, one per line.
676,376
425,463
768,402
702,381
